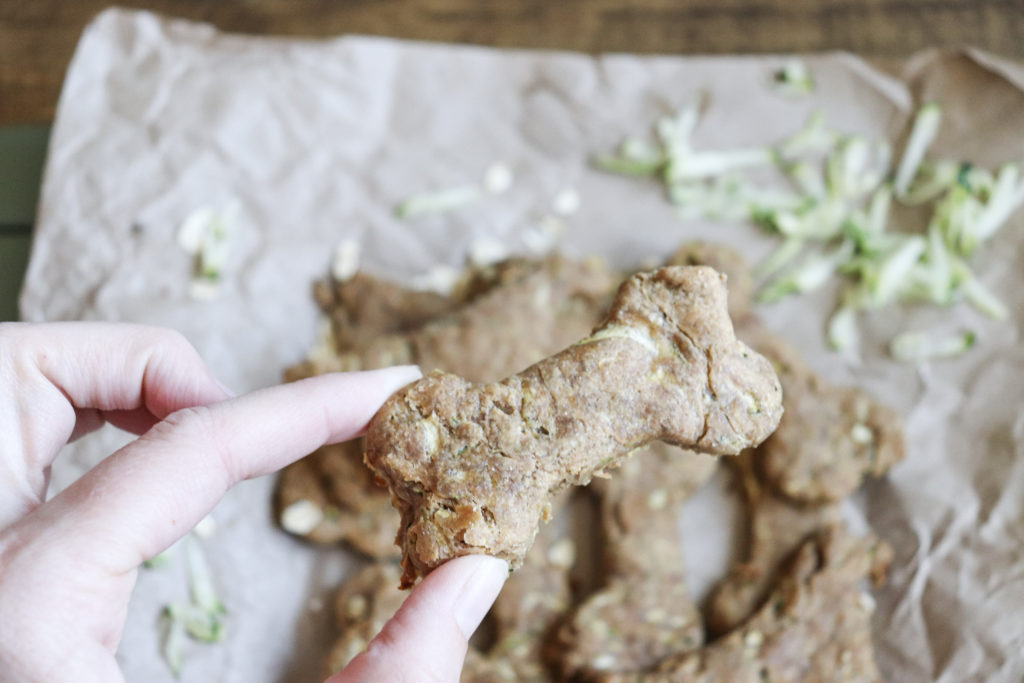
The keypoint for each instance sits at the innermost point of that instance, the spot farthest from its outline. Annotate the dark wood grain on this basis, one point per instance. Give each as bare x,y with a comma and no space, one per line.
37,37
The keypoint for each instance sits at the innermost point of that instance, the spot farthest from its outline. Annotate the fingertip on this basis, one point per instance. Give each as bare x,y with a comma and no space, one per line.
367,385
428,637
485,577
395,377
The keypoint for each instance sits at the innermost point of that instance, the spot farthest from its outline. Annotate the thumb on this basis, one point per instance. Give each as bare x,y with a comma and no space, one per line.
427,638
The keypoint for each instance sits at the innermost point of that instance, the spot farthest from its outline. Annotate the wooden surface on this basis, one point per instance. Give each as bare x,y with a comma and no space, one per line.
37,37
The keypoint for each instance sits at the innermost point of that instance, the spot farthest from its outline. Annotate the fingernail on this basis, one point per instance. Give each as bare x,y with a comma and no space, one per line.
227,392
397,376
479,591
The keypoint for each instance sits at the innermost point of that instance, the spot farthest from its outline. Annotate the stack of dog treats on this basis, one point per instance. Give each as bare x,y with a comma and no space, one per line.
796,607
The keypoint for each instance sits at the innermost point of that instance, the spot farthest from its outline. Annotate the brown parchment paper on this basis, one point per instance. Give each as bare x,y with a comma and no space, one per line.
318,140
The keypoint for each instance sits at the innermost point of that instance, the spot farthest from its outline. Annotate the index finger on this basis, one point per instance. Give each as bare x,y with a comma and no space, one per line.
140,500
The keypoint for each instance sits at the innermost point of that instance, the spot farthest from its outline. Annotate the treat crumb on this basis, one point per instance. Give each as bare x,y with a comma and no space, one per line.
301,517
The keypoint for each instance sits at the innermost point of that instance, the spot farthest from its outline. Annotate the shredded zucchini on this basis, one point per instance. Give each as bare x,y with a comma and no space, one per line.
922,134
808,276
842,328
917,346
208,233
793,78
174,643
438,201
846,204
203,617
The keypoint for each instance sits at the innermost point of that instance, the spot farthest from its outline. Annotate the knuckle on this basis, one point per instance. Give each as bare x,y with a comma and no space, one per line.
195,426
202,429
168,340
194,421
391,638
175,339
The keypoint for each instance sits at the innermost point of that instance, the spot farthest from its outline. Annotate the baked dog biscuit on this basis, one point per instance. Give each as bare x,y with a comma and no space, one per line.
644,612
506,328
364,307
518,311
791,485
830,438
815,626
330,496
531,602
775,528
472,467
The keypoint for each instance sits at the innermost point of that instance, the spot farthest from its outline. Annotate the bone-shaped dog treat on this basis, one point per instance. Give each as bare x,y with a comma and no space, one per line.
648,488
518,312
506,326
815,464
471,467
775,528
644,612
830,438
816,625
330,496
364,307
829,441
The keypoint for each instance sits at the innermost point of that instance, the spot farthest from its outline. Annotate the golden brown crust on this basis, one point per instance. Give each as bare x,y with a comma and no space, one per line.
472,467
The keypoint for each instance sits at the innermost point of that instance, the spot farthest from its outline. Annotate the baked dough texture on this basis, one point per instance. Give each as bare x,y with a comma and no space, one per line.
472,467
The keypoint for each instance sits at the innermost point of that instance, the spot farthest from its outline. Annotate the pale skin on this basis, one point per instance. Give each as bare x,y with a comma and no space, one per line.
68,563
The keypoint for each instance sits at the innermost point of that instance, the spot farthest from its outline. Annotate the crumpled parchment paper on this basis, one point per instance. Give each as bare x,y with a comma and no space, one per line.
318,140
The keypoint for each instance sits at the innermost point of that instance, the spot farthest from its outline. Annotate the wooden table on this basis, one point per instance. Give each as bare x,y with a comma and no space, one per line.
37,37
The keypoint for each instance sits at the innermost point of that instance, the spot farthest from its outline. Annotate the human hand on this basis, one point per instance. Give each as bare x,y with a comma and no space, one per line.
68,565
